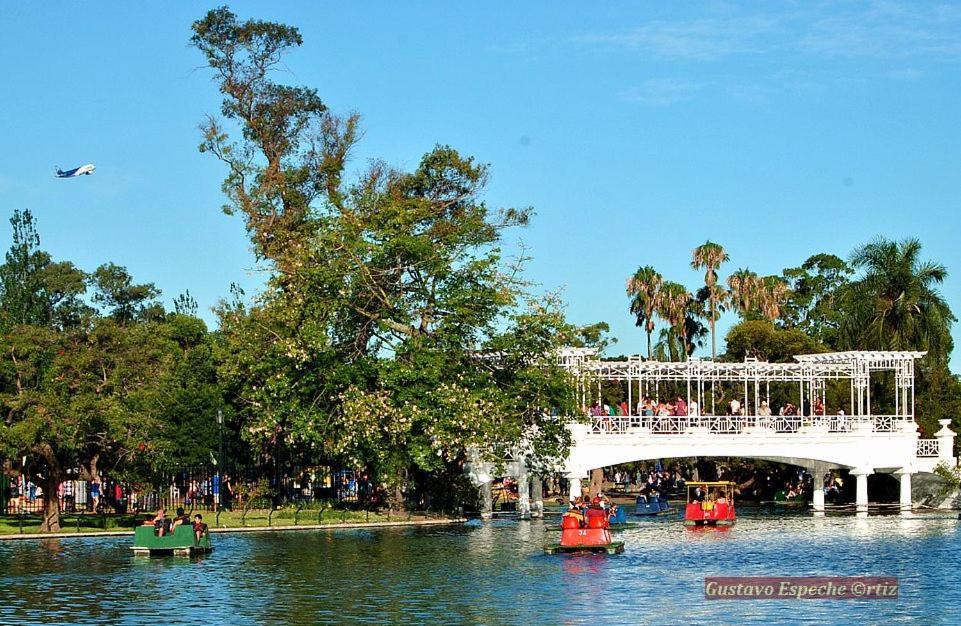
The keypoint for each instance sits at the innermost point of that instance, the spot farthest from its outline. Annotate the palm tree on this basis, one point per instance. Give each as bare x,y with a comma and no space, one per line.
772,296
709,256
896,305
745,289
643,288
673,303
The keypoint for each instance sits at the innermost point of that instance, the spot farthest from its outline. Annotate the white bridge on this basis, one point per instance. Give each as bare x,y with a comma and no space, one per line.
817,436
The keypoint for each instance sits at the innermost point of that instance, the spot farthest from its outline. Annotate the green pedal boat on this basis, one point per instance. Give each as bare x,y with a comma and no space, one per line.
181,542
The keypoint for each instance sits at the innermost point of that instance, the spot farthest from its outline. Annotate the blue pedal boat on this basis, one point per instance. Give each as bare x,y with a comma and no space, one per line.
652,505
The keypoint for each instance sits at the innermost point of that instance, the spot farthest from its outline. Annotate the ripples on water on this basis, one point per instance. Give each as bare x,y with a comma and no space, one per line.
491,573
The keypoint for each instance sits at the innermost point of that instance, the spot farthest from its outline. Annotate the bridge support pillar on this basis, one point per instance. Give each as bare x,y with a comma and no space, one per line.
818,500
523,491
537,496
817,472
905,499
861,494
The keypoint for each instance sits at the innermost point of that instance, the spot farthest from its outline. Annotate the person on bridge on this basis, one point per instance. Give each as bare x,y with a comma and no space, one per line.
680,407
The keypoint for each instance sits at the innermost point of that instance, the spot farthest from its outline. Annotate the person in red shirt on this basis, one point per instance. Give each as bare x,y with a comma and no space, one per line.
597,517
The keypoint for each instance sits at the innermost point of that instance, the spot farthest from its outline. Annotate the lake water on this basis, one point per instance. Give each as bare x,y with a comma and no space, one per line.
493,573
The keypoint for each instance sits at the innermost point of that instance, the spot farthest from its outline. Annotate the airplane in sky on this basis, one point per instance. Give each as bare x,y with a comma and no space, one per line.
77,171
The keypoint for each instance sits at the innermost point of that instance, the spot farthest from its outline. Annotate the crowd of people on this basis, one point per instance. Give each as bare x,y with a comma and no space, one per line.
679,407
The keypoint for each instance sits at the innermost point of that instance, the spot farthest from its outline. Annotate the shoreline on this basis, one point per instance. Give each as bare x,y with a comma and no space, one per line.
243,529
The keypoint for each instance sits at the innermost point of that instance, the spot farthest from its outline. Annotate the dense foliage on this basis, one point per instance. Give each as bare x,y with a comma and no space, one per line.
391,336
886,297
94,374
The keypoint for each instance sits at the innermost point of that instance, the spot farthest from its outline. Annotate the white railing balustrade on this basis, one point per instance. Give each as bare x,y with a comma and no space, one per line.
929,448
734,424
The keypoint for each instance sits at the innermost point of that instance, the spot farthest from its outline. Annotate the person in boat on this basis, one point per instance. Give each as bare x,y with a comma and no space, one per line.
596,517
573,518
698,495
709,503
182,518
200,529
160,522
612,513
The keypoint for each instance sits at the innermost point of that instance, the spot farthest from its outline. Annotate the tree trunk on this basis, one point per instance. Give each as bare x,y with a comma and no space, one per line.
395,495
648,345
597,481
51,503
713,337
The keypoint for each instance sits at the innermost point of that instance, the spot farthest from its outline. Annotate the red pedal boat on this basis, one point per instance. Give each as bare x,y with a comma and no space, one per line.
594,537
710,504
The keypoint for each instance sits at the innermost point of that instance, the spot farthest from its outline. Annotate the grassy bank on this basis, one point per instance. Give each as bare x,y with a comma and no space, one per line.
282,517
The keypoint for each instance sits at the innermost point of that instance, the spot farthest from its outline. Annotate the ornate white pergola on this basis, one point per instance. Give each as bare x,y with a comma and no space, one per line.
857,438
750,382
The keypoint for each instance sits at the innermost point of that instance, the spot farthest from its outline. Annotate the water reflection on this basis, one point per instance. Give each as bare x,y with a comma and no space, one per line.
492,573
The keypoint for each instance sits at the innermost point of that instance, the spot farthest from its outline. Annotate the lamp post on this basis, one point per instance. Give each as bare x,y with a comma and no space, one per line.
220,428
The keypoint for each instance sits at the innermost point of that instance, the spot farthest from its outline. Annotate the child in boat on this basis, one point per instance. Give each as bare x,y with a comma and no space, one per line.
200,529
159,522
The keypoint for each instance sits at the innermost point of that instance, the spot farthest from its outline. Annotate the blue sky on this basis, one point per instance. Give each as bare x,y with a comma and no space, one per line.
636,130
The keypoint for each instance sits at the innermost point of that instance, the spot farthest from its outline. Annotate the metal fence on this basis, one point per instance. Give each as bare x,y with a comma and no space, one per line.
195,488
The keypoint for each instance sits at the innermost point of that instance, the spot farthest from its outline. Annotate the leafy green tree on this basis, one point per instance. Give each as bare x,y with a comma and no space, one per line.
33,288
124,300
812,305
79,398
709,256
186,304
643,288
593,336
761,339
382,292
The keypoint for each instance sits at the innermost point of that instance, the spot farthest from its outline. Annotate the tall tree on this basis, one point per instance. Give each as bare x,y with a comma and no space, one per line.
643,288
124,300
772,296
745,289
33,288
673,305
895,303
709,256
384,285
813,290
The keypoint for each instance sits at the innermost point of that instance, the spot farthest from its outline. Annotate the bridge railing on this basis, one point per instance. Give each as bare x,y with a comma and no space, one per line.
735,424
929,448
